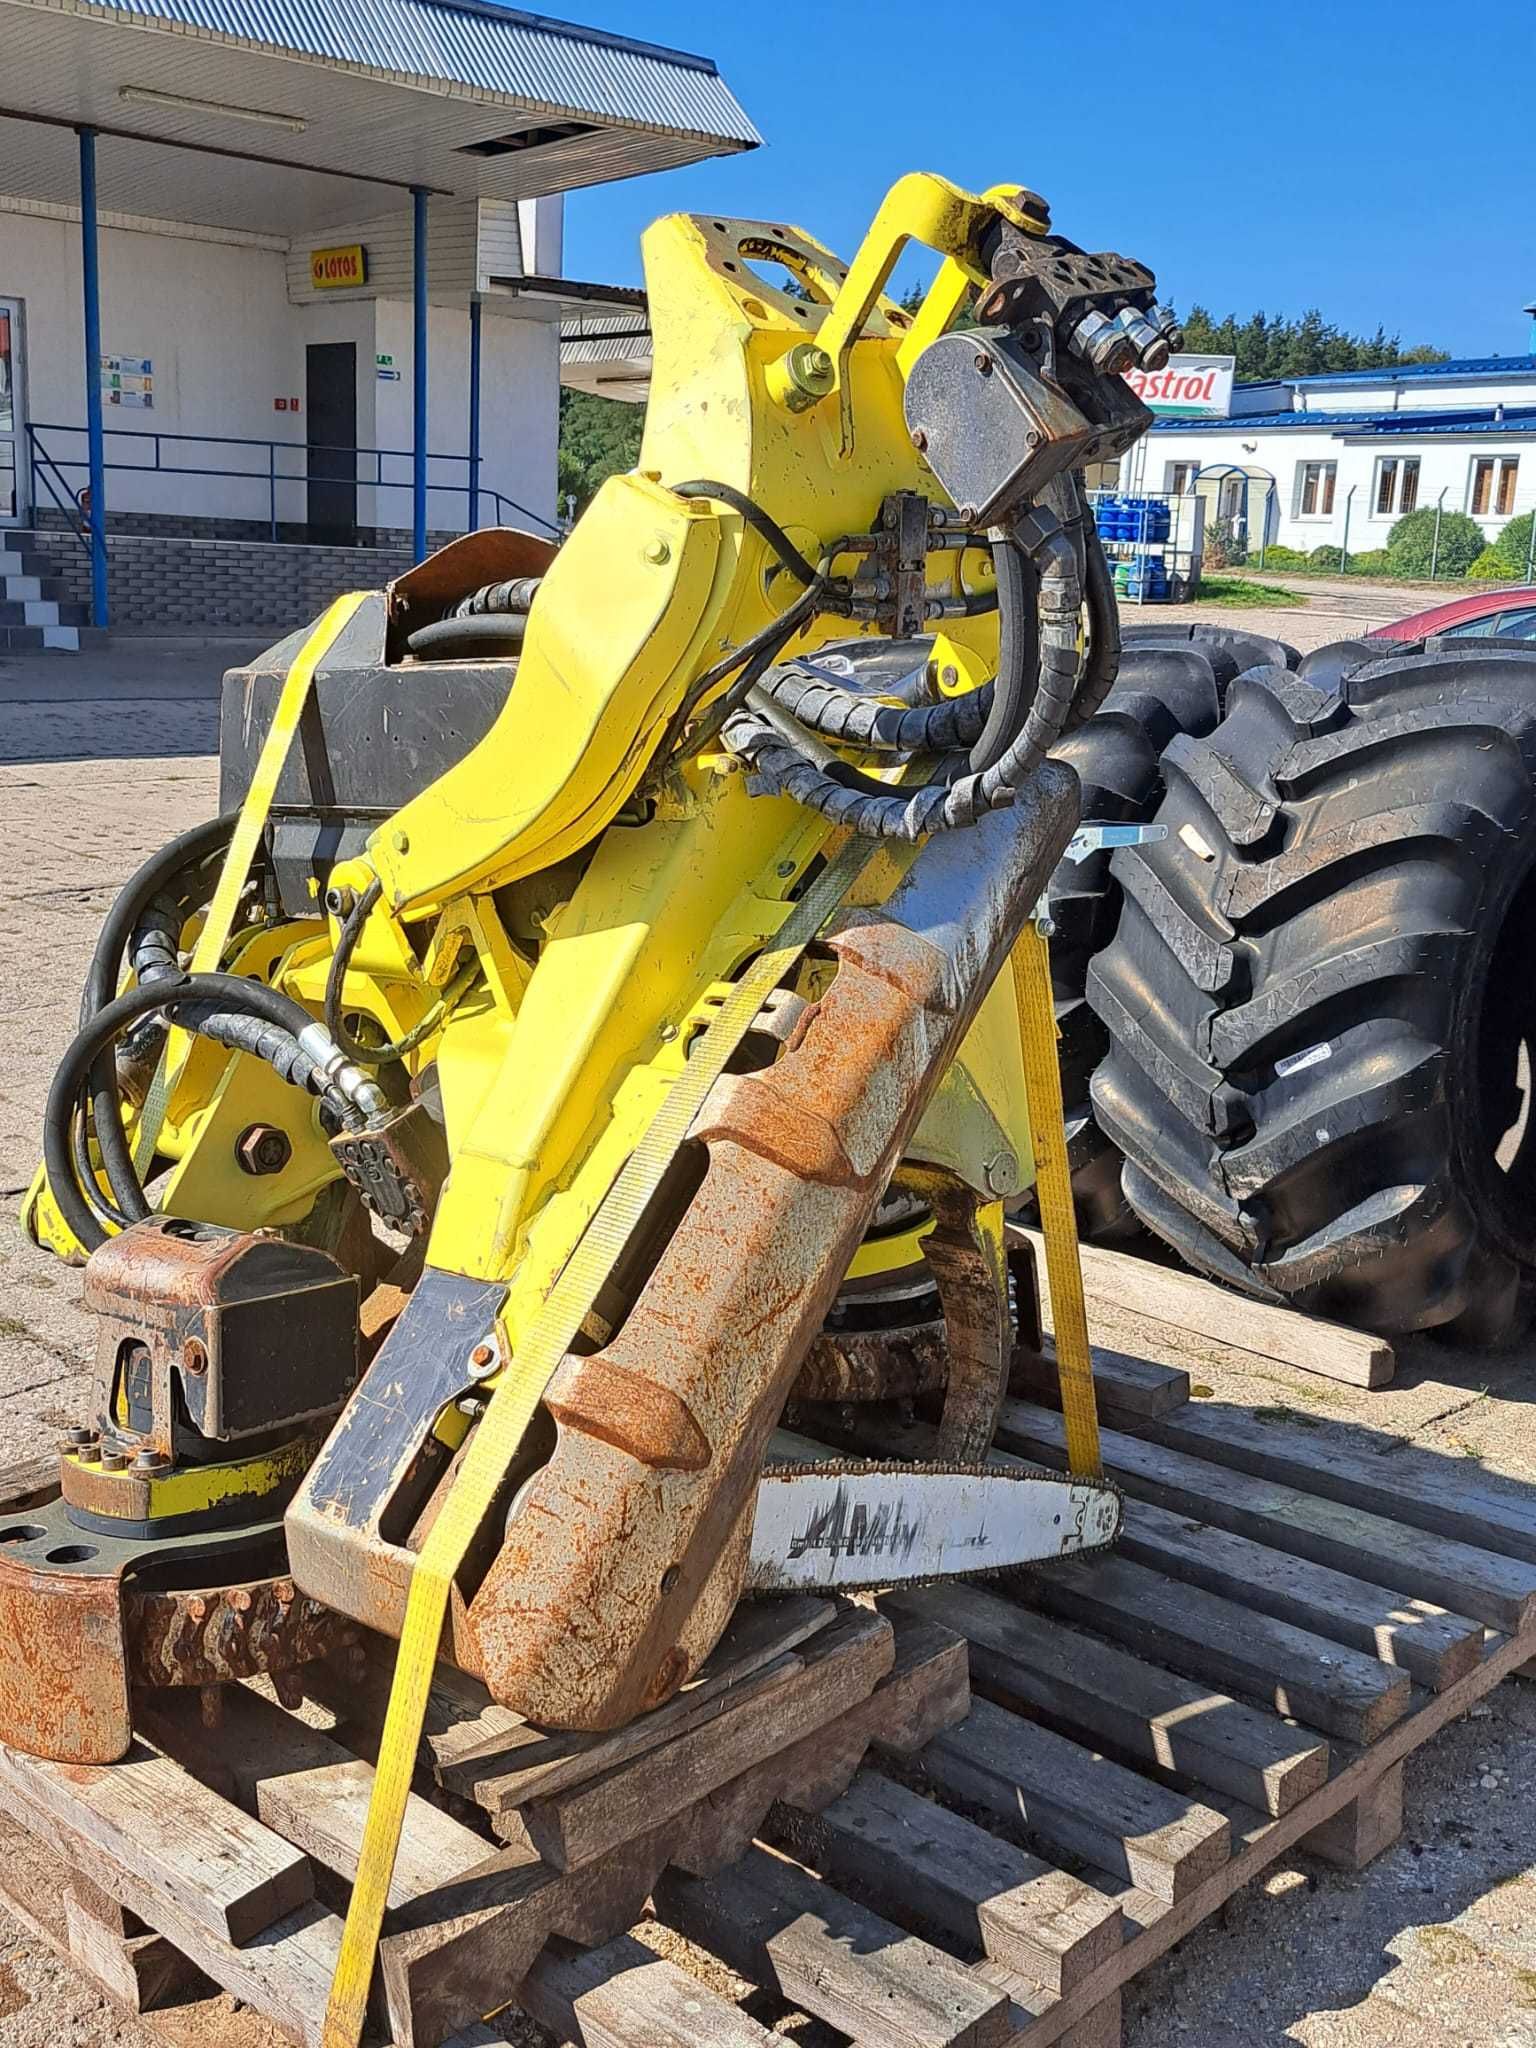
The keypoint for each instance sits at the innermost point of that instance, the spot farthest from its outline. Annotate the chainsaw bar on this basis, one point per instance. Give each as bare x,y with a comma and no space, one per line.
849,1526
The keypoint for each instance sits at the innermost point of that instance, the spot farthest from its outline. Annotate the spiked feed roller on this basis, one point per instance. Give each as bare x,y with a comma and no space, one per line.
608,1013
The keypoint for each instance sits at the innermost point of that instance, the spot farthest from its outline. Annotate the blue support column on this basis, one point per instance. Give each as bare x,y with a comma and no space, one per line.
474,415
419,377
90,273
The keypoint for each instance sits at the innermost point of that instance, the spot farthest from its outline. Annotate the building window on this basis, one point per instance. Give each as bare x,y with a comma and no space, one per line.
1314,489
1397,485
1179,478
1492,493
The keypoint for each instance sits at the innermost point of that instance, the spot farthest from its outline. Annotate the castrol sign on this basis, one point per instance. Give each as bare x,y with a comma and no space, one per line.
1191,387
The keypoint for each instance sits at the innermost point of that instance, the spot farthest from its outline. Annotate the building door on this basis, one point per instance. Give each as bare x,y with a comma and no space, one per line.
330,399
14,468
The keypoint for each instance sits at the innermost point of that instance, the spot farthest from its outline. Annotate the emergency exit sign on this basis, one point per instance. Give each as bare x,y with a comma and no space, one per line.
335,269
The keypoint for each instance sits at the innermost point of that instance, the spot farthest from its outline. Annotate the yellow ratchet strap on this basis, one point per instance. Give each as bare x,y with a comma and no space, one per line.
214,936
514,1398
1053,1195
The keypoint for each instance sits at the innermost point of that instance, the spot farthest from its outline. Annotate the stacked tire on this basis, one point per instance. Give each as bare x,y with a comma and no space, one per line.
1319,1001
1171,684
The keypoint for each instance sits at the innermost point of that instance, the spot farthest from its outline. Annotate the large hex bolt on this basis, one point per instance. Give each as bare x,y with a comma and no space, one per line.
263,1148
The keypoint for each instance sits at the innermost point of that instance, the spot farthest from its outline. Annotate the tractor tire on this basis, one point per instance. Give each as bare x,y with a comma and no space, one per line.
1229,649
1319,998
1159,693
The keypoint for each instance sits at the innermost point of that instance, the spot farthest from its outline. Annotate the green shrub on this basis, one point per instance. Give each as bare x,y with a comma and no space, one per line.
1513,546
1373,562
1326,557
1278,557
1490,567
1411,544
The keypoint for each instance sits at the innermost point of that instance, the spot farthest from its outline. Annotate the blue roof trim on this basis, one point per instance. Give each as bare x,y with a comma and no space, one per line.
1461,366
1509,419
477,46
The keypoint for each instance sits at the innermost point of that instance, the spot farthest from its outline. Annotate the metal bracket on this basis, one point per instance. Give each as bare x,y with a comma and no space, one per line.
1086,841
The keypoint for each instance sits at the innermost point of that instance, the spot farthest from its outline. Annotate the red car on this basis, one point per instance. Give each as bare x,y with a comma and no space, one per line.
1511,613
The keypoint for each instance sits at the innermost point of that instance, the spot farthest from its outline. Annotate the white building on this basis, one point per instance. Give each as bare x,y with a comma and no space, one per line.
1310,461
224,224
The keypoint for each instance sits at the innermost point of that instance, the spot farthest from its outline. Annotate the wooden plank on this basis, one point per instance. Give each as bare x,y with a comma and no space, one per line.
1080,1686
219,1867
304,1784
506,1771
1075,1802
912,1856
1448,1496
1361,1831
1308,1677
1432,1646
138,1970
451,1956
1101,2028
834,1959
1498,1591
1164,1923
29,1482
285,1973
1136,1389
624,1995
838,1669
1168,1295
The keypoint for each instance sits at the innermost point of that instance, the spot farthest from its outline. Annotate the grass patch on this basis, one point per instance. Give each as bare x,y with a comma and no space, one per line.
1238,592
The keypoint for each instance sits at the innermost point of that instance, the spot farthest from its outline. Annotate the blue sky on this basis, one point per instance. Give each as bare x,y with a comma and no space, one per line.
1375,160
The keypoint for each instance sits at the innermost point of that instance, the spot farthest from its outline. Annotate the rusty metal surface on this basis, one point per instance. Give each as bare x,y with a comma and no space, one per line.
615,1578
238,1331
493,554
78,1632
874,1365
221,1633
63,1664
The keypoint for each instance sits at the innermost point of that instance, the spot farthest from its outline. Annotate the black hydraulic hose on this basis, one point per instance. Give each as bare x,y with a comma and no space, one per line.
375,1055
958,794
189,850
1018,652
488,635
1103,664
824,706
762,524
227,992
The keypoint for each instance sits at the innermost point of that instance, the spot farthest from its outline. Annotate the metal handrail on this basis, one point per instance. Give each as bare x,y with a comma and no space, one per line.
48,466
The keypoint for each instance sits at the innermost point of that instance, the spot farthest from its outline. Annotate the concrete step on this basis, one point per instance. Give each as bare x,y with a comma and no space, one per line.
23,561
42,611
43,639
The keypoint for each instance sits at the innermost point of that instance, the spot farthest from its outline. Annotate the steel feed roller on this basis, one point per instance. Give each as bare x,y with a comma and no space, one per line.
604,1016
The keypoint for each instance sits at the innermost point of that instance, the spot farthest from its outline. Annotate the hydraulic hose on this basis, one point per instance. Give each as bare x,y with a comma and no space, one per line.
380,1055
178,857
351,1094
761,523
1018,651
487,635
823,705
786,759
514,595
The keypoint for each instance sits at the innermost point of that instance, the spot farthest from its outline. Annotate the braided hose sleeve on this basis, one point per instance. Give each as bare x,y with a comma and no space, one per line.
1061,605
515,595
1103,665
955,797
824,707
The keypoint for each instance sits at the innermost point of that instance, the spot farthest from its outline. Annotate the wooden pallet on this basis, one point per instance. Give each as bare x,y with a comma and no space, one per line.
1286,1619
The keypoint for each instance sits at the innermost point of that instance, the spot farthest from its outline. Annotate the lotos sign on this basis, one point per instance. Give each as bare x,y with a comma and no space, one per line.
332,269
1193,387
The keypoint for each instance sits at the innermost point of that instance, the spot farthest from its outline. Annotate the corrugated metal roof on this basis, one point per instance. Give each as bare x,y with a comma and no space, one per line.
482,49
1509,419
1460,366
